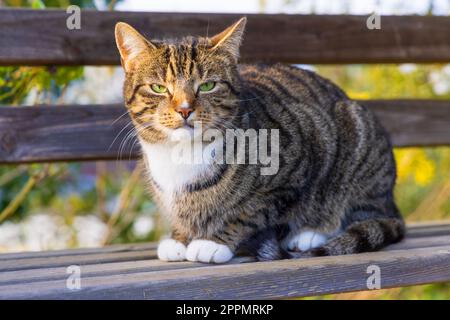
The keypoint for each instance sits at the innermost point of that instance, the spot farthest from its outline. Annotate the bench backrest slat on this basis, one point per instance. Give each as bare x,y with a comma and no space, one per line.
40,37
64,133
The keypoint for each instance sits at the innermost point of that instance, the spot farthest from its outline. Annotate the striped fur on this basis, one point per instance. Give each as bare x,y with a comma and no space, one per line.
337,170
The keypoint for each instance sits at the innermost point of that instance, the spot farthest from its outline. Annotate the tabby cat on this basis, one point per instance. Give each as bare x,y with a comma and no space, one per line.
333,192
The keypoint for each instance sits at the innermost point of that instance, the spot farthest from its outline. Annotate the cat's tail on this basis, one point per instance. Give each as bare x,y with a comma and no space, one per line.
361,236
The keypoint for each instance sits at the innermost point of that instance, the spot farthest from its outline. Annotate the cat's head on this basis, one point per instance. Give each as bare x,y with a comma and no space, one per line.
170,85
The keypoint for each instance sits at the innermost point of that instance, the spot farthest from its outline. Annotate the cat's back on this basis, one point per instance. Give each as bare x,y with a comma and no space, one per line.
314,114
300,100
286,84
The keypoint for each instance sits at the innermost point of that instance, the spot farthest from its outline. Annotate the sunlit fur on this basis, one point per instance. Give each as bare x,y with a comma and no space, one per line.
337,170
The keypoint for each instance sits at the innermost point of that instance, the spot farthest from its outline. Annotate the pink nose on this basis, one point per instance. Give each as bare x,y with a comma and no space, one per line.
184,112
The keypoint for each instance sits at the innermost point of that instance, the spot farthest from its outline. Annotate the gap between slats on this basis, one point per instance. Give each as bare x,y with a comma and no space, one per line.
285,278
32,270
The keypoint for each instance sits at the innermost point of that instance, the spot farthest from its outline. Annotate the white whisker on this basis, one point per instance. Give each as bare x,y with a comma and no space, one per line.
119,134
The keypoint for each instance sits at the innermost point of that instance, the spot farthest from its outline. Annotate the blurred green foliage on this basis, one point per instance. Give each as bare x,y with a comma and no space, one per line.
48,83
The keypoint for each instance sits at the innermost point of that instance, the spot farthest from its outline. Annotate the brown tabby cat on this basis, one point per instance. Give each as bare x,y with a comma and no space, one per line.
333,192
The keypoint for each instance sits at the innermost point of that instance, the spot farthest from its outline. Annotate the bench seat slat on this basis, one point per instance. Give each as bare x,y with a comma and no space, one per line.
424,229
123,269
259,280
102,269
95,268
55,261
420,242
79,251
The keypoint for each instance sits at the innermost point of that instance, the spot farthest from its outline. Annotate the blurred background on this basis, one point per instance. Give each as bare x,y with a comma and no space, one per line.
69,205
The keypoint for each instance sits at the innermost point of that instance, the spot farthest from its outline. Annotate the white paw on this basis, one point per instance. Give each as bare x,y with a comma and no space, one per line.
208,251
171,250
306,240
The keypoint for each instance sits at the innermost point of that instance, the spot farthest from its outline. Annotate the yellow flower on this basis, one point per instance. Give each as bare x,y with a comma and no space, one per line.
404,159
424,172
358,95
414,162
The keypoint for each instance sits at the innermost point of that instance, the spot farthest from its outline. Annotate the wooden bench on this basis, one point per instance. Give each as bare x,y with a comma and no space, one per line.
133,272
49,133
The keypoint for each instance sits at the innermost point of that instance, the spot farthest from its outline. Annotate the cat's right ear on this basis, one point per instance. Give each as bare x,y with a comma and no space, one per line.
131,44
230,39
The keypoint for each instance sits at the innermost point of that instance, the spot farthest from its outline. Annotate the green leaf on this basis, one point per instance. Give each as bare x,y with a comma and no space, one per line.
37,4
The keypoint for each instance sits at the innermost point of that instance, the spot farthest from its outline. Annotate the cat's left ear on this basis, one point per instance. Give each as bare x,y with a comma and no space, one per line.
131,44
230,39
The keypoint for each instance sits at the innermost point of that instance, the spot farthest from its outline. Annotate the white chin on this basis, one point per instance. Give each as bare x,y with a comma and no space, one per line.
182,134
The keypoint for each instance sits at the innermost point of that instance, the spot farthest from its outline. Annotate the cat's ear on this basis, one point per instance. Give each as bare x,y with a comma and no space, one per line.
130,43
230,38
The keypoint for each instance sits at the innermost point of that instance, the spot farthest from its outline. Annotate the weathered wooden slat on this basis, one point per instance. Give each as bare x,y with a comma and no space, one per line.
422,242
416,225
96,265
34,134
55,261
425,230
65,133
414,122
260,280
78,251
92,270
103,269
40,37
127,267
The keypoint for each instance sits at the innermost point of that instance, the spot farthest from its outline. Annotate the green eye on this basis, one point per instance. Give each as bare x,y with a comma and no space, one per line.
207,86
158,88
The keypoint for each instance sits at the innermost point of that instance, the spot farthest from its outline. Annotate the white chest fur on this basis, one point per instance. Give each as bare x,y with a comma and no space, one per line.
169,170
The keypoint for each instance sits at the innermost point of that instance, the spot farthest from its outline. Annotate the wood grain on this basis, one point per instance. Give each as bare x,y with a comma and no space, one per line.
102,269
425,230
414,122
56,261
97,267
40,37
259,280
36,134
119,262
92,270
66,133
79,251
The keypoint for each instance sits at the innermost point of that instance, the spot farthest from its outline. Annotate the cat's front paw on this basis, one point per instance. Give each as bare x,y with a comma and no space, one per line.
171,250
208,251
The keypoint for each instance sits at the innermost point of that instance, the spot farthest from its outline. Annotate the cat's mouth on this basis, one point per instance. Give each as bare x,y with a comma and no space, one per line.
187,125
189,130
